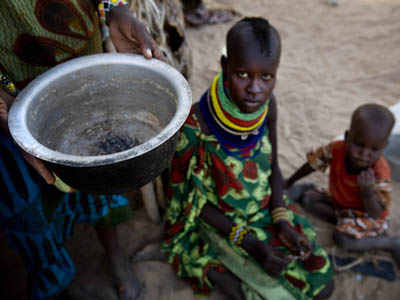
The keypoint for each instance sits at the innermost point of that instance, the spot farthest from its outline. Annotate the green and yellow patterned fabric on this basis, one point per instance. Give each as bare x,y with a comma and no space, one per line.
36,35
201,171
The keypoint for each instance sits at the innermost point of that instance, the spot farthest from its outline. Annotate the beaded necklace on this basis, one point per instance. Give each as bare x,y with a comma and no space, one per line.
231,127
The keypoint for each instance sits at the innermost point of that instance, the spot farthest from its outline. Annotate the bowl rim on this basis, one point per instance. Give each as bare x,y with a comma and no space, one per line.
23,137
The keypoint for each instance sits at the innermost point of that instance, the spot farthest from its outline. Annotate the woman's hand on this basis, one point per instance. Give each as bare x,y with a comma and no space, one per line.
293,240
271,260
131,36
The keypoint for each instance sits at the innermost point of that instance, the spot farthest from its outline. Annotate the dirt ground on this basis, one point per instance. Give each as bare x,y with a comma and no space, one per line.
334,59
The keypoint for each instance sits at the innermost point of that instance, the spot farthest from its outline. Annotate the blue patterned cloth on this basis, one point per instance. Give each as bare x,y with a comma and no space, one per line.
37,218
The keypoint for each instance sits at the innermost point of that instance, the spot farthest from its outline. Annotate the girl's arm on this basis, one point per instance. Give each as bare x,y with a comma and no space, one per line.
295,242
275,180
272,261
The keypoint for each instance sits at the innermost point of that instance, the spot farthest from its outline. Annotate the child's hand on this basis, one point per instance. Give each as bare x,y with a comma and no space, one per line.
293,240
131,36
366,182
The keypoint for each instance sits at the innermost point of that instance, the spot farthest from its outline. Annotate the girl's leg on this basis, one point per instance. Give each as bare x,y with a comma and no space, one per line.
228,283
128,285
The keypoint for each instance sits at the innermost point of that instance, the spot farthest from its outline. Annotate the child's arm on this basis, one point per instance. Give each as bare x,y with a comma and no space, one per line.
366,181
317,160
304,170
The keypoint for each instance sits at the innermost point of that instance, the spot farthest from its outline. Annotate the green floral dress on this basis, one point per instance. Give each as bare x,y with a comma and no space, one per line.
202,171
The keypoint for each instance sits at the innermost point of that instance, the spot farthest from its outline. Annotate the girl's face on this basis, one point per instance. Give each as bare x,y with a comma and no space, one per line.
251,76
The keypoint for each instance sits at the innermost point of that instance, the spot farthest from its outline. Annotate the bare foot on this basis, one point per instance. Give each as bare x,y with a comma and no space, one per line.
75,291
202,16
128,286
296,191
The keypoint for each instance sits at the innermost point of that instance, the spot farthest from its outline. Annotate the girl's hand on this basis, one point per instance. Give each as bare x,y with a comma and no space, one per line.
131,36
271,260
293,240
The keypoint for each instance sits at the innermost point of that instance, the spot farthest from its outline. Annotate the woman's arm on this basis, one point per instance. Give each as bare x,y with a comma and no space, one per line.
5,103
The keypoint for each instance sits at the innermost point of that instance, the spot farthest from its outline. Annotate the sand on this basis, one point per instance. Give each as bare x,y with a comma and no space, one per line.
334,59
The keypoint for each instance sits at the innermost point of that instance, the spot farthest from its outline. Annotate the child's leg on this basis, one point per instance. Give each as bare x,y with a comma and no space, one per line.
228,283
319,204
391,244
129,286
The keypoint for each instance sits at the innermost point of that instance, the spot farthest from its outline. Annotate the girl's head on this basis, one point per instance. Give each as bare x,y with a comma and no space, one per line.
251,64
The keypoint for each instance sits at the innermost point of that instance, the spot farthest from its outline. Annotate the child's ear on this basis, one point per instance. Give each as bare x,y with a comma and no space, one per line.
224,63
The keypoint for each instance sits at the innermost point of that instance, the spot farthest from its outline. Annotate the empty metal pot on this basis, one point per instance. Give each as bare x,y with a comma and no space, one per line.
104,123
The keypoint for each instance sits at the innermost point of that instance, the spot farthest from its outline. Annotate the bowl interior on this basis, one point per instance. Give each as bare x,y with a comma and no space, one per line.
102,109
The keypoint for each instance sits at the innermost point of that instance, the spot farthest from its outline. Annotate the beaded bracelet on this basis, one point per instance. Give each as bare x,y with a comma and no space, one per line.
106,6
237,235
8,85
279,214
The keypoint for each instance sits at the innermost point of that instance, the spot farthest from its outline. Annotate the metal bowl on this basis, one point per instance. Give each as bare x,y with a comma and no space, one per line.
104,123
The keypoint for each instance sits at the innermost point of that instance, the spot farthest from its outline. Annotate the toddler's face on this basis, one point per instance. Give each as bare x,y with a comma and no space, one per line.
363,148
251,77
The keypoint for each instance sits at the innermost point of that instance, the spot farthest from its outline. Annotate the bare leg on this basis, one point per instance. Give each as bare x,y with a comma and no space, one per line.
319,204
296,191
128,285
229,284
391,244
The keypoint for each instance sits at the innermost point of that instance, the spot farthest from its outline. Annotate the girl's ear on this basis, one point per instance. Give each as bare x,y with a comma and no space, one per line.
224,63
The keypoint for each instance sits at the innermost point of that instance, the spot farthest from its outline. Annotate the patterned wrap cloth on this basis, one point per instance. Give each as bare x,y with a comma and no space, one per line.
36,35
201,171
345,193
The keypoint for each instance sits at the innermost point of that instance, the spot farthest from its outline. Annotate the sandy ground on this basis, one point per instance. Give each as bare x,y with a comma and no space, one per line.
334,59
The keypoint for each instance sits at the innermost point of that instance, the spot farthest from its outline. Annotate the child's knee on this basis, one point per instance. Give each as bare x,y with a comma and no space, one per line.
341,239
